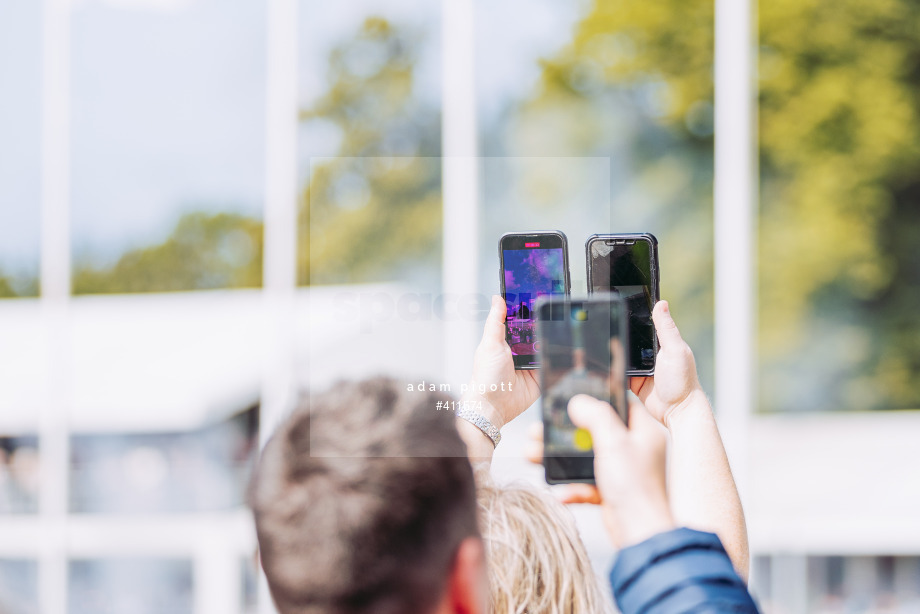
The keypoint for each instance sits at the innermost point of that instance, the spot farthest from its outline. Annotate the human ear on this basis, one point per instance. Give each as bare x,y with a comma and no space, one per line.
468,585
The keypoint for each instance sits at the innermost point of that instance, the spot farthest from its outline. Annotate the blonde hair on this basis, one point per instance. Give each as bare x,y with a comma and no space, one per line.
537,561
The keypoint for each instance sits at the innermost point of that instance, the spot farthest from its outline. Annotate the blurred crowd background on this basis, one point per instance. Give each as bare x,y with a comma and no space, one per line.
593,116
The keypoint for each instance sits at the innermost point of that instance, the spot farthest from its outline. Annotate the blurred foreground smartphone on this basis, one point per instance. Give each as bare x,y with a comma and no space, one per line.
532,265
582,349
627,265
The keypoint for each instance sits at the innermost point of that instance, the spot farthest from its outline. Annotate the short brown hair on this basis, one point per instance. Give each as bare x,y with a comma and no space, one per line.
361,499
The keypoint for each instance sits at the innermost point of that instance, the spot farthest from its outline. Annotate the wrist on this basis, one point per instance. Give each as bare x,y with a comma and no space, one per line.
693,408
636,526
481,405
479,446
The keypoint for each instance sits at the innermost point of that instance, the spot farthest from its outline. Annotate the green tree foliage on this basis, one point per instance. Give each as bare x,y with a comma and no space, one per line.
23,285
373,212
635,84
204,251
6,290
840,144
839,91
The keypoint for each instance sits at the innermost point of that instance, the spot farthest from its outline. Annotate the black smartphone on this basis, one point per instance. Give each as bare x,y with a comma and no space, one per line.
627,265
532,265
582,347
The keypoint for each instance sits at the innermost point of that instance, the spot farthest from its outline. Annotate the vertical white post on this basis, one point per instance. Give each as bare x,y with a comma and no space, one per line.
54,441
217,574
735,185
279,268
789,582
460,177
55,153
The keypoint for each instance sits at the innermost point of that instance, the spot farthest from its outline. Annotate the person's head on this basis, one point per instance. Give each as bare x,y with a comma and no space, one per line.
364,501
537,561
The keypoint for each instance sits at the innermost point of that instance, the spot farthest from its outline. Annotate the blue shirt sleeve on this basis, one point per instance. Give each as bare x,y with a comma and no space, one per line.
676,572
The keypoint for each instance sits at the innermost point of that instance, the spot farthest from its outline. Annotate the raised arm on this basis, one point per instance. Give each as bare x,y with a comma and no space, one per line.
700,483
496,390
658,568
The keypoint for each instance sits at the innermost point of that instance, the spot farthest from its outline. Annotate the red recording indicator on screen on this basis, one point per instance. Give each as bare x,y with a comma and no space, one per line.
531,245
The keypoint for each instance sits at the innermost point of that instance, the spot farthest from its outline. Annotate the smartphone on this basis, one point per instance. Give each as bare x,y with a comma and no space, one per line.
532,265
627,265
582,347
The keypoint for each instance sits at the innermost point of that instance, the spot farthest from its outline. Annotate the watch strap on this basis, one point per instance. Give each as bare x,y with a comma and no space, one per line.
482,423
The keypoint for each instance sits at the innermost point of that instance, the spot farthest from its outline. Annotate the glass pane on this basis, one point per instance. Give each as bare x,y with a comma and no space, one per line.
876,584
24,368
839,149
199,471
370,142
19,475
840,584
626,86
140,586
168,115
370,185
18,586
20,147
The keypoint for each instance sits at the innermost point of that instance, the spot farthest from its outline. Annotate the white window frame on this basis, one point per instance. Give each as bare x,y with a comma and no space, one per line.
54,536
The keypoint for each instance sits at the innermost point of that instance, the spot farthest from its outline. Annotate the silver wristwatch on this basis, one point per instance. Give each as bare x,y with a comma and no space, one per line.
482,423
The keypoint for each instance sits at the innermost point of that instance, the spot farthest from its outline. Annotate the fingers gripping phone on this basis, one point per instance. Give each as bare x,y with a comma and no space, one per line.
532,265
627,265
582,347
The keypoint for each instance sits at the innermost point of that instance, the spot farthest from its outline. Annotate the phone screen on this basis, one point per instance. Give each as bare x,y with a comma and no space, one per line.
533,266
582,350
624,266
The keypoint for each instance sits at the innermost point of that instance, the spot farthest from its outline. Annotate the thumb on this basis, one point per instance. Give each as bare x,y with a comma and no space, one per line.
599,418
644,426
640,420
494,329
668,335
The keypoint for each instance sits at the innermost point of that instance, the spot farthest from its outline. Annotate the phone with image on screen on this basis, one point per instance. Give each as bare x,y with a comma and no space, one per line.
627,265
532,265
583,351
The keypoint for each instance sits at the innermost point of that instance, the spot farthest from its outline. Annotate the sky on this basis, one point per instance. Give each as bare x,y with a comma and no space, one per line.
20,125
168,104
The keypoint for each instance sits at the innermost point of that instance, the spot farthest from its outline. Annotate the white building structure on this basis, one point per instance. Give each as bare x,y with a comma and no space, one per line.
818,485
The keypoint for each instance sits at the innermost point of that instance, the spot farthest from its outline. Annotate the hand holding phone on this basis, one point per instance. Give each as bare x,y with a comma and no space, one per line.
631,486
675,381
582,350
496,389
